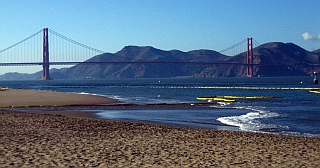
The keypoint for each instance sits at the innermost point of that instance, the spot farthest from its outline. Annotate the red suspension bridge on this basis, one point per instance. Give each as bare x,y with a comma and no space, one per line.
34,50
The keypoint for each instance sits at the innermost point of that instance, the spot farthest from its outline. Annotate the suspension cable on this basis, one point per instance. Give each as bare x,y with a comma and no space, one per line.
233,46
75,42
256,43
22,41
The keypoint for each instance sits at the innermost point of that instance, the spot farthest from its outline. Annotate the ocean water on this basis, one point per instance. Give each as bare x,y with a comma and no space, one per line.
293,111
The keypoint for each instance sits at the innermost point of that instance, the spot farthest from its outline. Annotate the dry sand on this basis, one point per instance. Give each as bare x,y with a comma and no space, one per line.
19,97
58,140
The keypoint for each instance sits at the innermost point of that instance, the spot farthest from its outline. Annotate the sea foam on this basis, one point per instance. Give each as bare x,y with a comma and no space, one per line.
251,121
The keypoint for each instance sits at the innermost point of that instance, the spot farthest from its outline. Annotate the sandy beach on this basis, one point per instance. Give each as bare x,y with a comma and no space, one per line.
36,98
77,139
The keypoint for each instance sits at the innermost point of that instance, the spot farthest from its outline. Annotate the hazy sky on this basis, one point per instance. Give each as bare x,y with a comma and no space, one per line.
109,25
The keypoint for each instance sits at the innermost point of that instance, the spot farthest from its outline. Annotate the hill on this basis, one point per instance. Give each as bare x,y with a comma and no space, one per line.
316,51
278,59
274,59
143,54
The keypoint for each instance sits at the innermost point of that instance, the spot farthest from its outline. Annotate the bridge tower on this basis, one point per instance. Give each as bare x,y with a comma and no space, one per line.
45,64
249,58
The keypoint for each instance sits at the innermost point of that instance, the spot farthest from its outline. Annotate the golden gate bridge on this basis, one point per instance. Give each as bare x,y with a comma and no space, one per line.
38,48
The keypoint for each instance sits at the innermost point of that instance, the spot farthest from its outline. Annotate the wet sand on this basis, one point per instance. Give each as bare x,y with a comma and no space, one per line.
77,139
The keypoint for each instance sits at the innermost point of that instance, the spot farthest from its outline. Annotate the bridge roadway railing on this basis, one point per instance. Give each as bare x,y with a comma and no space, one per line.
127,62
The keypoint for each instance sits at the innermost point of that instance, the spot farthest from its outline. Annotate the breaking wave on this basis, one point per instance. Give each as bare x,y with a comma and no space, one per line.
252,121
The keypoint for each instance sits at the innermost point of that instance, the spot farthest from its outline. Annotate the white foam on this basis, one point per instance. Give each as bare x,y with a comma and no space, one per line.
301,134
109,96
251,120
109,114
85,93
117,97
223,103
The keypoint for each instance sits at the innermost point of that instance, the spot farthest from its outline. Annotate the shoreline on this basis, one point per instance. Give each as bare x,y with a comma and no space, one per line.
71,138
85,114
94,115
65,102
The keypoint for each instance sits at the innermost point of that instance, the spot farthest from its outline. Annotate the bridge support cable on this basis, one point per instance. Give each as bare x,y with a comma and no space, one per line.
74,42
26,50
34,50
235,49
68,50
243,46
255,43
21,41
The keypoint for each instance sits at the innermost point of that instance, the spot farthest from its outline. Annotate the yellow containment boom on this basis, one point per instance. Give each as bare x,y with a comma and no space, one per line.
4,89
215,99
231,98
315,91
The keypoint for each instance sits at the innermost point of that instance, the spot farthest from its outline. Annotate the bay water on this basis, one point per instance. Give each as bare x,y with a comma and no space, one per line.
293,110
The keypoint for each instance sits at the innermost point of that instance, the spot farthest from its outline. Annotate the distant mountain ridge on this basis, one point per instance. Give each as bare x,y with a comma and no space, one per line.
316,51
278,59
143,54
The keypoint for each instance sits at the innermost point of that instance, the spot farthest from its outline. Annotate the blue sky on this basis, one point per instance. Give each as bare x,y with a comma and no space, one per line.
186,25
